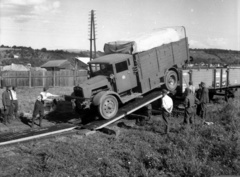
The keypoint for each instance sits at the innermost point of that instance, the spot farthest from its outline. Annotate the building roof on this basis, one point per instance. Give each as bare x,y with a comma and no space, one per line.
83,59
54,64
110,59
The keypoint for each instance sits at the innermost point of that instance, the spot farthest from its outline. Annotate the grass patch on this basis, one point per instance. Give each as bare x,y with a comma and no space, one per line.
201,150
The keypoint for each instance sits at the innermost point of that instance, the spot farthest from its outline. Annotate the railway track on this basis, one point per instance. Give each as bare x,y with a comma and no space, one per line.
138,103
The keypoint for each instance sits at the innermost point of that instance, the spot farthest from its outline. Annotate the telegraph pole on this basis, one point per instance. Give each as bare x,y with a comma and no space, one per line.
92,35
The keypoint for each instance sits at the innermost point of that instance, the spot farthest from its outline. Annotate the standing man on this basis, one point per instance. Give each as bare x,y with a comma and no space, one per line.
204,99
38,109
198,96
189,104
199,91
49,102
46,94
191,87
14,101
7,104
167,106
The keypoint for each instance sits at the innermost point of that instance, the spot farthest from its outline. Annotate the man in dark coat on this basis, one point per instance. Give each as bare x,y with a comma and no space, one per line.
38,109
7,105
198,96
199,91
189,104
204,99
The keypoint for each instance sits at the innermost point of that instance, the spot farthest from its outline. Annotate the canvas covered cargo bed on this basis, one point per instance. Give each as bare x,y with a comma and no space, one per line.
145,41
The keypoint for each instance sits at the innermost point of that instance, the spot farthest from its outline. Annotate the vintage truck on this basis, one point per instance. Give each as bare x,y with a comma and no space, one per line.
131,69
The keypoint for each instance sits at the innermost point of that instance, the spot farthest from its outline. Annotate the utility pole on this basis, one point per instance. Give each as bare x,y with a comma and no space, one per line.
92,35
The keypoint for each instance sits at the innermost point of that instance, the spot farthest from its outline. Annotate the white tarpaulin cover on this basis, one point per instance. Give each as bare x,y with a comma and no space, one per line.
154,39
143,42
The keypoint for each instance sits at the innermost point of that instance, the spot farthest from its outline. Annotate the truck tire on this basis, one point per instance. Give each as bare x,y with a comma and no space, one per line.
108,107
171,80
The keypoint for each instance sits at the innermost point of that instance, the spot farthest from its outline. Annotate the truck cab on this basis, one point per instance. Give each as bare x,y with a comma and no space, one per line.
118,68
111,78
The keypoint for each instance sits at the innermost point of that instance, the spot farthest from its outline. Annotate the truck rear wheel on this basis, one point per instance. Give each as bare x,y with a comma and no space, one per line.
108,107
171,80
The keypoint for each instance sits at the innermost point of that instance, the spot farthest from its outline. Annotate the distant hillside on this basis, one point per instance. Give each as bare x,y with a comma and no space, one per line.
215,56
25,55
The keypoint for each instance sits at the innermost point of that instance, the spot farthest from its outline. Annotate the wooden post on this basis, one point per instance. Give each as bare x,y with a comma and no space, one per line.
214,77
29,78
53,77
221,75
74,77
190,75
227,81
43,78
1,79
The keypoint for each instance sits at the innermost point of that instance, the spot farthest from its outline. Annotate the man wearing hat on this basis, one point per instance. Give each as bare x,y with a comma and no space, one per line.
167,106
7,104
204,99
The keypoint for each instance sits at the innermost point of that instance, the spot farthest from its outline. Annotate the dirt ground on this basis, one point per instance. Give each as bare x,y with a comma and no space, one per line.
26,99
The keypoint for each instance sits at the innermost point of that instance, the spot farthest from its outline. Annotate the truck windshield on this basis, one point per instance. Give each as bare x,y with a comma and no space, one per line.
101,69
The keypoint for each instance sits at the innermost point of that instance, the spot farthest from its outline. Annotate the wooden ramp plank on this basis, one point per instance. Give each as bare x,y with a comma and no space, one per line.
9,138
125,110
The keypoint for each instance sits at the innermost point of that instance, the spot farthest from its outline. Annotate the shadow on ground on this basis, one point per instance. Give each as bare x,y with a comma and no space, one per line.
25,120
65,114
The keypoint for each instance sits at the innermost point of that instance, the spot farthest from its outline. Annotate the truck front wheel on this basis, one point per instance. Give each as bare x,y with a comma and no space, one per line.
108,107
171,80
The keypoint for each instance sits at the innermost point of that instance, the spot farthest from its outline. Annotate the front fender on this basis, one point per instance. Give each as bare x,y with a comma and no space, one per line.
98,98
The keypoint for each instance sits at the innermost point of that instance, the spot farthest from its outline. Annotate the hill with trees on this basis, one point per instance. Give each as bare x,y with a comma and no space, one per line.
37,57
215,56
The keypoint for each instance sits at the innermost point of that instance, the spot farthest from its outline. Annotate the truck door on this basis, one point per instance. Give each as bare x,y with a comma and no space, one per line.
123,76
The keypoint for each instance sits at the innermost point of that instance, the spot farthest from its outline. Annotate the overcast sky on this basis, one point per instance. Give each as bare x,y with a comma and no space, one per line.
63,24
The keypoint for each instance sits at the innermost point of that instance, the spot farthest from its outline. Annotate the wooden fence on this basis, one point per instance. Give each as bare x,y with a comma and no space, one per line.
60,78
